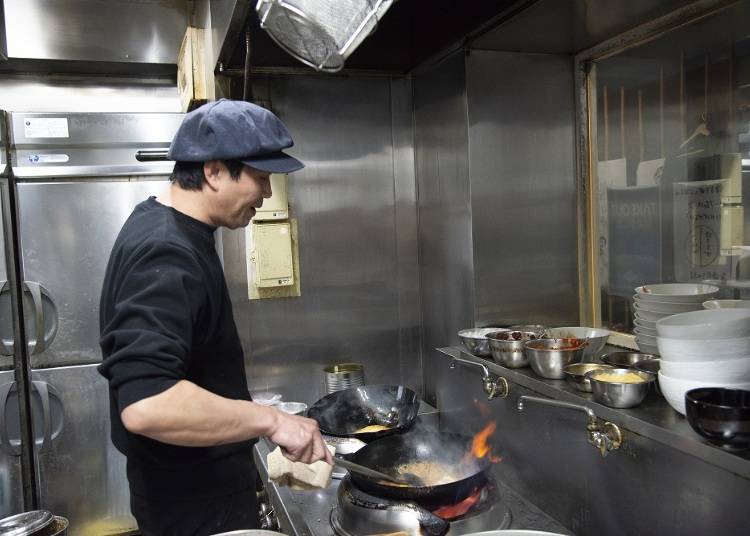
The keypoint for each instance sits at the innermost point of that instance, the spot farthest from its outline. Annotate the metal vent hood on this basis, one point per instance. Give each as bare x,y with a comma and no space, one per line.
114,31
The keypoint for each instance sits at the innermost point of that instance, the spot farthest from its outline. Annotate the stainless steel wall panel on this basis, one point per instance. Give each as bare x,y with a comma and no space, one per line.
405,214
83,474
523,193
444,206
344,201
95,30
67,233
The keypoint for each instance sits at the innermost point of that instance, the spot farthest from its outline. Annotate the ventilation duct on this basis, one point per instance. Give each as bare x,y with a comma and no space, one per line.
320,33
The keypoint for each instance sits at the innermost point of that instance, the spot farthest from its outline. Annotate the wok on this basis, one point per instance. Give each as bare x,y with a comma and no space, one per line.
345,412
448,457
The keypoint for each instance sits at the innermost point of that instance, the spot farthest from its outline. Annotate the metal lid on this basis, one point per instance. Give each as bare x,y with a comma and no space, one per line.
25,523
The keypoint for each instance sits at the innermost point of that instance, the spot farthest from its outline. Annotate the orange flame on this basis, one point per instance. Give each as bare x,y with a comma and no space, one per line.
453,511
479,446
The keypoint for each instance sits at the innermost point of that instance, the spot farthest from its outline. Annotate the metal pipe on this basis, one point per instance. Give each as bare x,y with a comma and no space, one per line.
494,386
247,90
485,370
557,403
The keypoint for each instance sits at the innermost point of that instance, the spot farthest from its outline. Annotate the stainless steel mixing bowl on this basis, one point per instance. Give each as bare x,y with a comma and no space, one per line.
575,374
475,340
507,347
626,359
548,357
619,394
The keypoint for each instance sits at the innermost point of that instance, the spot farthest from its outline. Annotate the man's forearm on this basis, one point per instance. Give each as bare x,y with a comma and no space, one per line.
189,415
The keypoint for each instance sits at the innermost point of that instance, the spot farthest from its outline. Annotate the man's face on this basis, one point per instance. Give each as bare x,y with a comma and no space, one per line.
235,201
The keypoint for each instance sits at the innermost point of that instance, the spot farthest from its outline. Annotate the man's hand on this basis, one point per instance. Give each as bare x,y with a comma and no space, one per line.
299,438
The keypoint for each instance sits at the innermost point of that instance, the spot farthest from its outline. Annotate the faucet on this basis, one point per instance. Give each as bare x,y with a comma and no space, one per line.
494,386
605,436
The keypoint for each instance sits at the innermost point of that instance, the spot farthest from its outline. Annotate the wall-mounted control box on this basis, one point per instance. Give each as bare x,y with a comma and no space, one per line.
275,207
272,255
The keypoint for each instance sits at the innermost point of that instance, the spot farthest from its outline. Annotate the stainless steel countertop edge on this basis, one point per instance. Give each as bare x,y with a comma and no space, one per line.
653,419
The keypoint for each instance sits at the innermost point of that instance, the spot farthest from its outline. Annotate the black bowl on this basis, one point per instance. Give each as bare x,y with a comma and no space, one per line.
344,413
720,415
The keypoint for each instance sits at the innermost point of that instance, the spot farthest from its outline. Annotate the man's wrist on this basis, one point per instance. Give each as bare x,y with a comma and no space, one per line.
268,422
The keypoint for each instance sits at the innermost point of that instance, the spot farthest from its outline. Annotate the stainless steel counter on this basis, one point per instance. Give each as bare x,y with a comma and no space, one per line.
654,418
306,513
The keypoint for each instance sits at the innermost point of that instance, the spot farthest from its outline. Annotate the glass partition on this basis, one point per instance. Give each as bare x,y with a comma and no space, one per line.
671,163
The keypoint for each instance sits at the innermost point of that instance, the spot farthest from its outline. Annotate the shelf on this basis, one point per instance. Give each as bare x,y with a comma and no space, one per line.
654,418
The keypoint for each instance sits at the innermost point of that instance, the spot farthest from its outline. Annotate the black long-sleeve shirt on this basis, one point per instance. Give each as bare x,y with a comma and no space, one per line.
165,316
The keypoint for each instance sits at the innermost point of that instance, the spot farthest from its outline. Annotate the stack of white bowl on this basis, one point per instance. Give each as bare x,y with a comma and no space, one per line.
654,302
708,348
726,304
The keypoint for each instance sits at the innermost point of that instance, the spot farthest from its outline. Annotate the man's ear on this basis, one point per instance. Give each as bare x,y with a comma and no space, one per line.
212,171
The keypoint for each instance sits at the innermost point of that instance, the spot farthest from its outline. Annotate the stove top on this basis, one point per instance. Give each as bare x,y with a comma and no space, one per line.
356,513
308,513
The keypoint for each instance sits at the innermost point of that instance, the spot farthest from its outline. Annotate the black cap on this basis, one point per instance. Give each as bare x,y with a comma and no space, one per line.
234,130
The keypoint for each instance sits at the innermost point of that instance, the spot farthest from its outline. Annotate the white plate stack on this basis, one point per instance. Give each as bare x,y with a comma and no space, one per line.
708,348
654,302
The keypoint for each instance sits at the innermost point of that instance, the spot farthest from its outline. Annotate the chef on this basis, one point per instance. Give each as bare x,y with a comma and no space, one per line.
179,401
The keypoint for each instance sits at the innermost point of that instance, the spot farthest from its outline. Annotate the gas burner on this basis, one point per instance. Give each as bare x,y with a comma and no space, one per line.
357,513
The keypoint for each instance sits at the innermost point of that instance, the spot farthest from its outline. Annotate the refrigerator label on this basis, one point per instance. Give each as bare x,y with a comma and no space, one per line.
46,127
48,158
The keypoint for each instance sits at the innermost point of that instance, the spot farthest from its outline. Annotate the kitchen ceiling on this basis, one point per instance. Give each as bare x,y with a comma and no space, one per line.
413,31
409,33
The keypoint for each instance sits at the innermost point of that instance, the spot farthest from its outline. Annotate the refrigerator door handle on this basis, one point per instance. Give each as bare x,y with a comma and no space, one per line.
5,444
151,155
6,347
43,388
40,343
41,338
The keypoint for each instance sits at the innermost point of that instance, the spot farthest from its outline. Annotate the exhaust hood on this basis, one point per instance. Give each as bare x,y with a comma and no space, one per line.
116,31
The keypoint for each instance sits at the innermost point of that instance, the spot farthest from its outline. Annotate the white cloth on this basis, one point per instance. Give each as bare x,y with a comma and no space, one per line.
298,475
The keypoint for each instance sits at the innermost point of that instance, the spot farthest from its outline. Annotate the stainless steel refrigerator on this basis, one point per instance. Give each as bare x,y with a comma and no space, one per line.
76,178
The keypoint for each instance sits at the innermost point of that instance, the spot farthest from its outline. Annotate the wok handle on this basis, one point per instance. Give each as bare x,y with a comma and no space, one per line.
362,470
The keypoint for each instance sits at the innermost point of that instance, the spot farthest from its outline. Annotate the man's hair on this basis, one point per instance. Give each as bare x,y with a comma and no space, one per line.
189,175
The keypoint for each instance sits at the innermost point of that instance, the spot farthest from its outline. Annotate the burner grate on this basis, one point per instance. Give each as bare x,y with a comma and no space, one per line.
358,513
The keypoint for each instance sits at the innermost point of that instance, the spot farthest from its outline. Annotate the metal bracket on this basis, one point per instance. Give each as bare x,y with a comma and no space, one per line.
494,386
603,435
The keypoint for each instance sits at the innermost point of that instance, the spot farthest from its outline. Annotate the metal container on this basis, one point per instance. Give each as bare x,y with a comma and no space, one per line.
652,365
548,357
619,394
575,374
538,329
34,523
507,347
626,359
344,376
475,340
